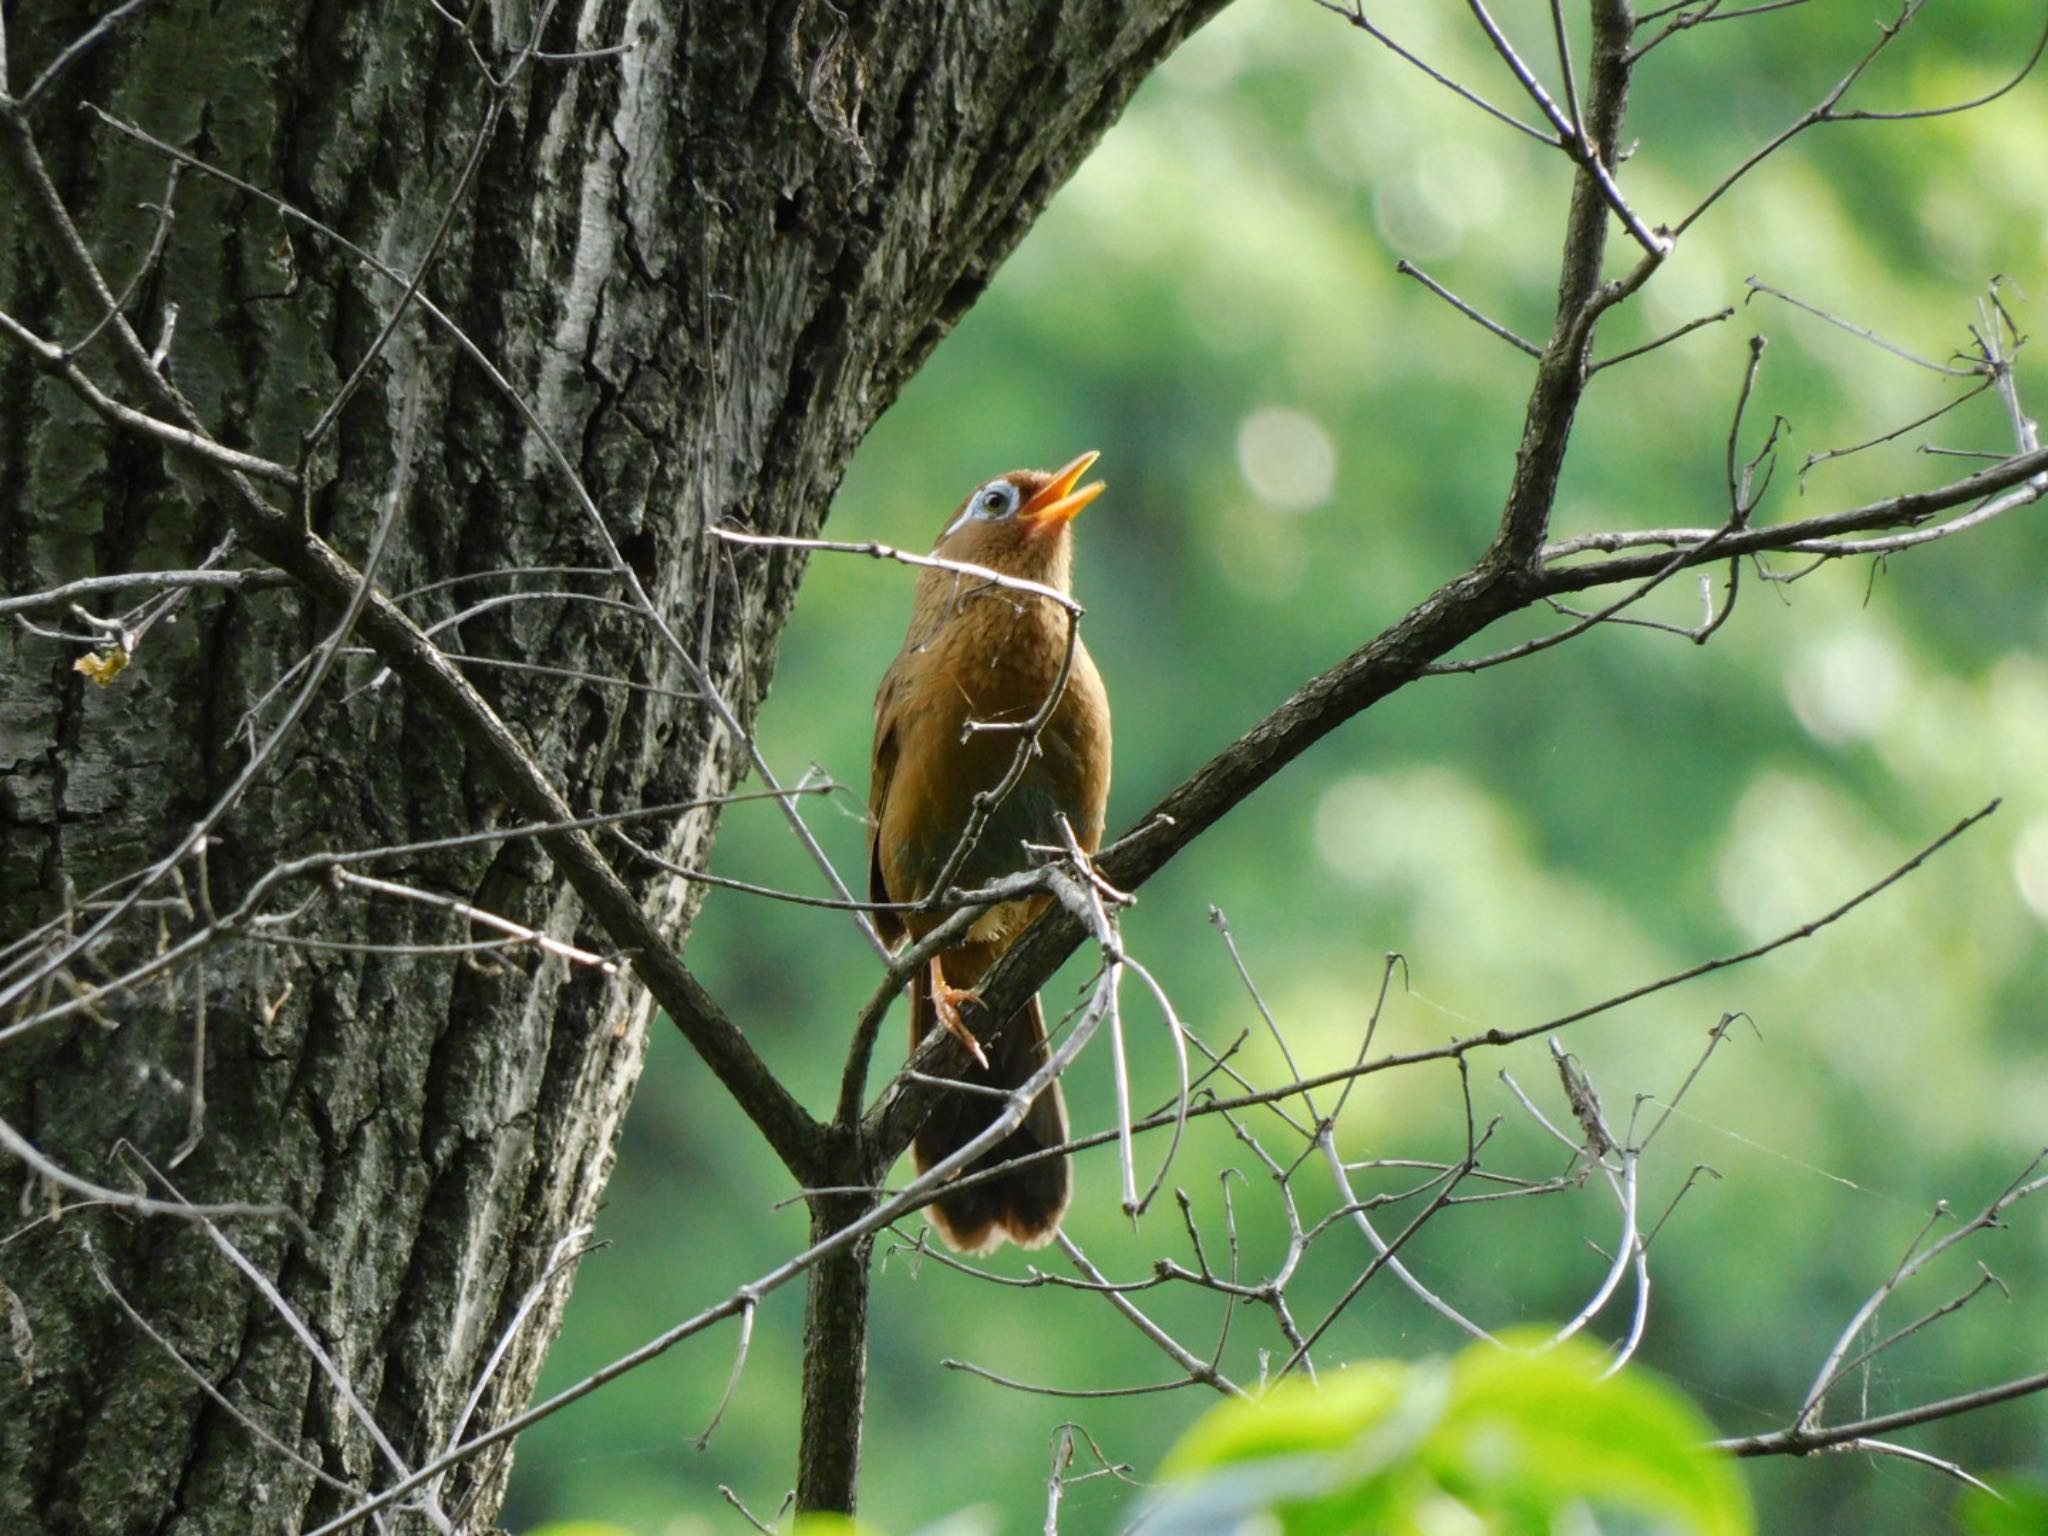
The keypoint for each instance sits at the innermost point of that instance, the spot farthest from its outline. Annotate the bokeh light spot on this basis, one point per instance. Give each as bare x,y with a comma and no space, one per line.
1355,834
1287,458
2030,867
1462,183
1847,688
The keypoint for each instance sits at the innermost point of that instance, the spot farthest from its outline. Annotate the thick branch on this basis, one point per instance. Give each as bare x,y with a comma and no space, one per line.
1564,367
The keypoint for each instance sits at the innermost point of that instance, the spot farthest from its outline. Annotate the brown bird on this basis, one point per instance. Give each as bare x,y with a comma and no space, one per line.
979,654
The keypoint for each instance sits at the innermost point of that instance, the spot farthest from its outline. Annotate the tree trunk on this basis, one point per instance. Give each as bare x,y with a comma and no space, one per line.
835,1360
708,263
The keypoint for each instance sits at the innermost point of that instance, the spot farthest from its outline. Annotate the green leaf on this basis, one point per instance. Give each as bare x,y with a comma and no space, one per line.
1533,1432
1500,1440
832,1525
1290,1417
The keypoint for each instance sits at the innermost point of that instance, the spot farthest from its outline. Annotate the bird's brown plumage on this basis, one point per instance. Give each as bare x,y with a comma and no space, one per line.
979,652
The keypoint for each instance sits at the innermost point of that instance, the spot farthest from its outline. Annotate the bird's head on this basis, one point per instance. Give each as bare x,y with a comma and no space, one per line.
1018,523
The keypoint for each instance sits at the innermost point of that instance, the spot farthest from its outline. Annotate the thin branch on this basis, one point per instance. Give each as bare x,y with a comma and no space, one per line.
62,596
1826,111
1197,1368
518,932
1741,502
1919,1458
1574,136
165,216
53,360
336,1377
739,1366
1385,1256
2012,84
1916,1259
444,226
1063,1477
1625,1253
561,1258
1798,1442
1656,578
1985,1281
1567,70
75,50
1710,11
887,1111
1408,269
747,1514
1824,455
911,959
1714,1038
25,1151
1149,1389
199,1378
578,675
981,573
1854,329
1665,340
1355,14
1568,128
2023,477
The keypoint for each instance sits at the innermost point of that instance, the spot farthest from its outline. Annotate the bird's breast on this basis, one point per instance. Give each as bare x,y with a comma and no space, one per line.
995,662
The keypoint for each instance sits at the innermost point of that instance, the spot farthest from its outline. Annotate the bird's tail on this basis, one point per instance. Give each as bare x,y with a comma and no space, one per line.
1024,1206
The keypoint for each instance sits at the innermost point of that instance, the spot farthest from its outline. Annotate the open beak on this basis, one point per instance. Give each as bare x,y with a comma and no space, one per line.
1059,502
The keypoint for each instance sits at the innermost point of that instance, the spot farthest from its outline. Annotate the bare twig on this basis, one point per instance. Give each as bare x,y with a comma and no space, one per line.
1798,1442
1197,1368
53,360
1408,269
1916,1259
64,594
199,1378
1355,14
19,1146
73,51
1755,287
1829,109
1665,340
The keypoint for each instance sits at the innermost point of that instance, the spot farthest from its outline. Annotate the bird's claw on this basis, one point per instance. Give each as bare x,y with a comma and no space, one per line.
946,1003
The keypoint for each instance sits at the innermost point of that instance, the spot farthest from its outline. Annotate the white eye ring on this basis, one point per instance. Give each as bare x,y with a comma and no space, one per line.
991,504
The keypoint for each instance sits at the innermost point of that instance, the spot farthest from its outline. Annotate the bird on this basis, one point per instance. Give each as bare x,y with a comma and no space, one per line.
980,654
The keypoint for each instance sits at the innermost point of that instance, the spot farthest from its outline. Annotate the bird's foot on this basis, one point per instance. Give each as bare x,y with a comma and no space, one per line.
946,1001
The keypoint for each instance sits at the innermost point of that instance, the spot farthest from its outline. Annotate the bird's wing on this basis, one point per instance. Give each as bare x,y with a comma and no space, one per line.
880,772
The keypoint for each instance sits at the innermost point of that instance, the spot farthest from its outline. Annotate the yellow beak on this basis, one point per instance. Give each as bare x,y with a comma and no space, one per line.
1059,502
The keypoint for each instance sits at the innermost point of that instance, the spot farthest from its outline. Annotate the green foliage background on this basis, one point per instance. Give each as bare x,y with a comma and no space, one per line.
1532,838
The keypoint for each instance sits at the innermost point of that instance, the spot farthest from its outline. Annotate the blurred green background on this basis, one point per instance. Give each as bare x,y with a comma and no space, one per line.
1300,444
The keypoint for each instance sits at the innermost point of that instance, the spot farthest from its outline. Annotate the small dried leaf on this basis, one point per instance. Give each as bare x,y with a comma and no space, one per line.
102,666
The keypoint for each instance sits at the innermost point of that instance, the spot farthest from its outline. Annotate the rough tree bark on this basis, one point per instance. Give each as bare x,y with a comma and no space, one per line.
709,262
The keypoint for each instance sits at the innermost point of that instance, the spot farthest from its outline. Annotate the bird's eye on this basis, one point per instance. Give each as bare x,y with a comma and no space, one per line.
998,500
